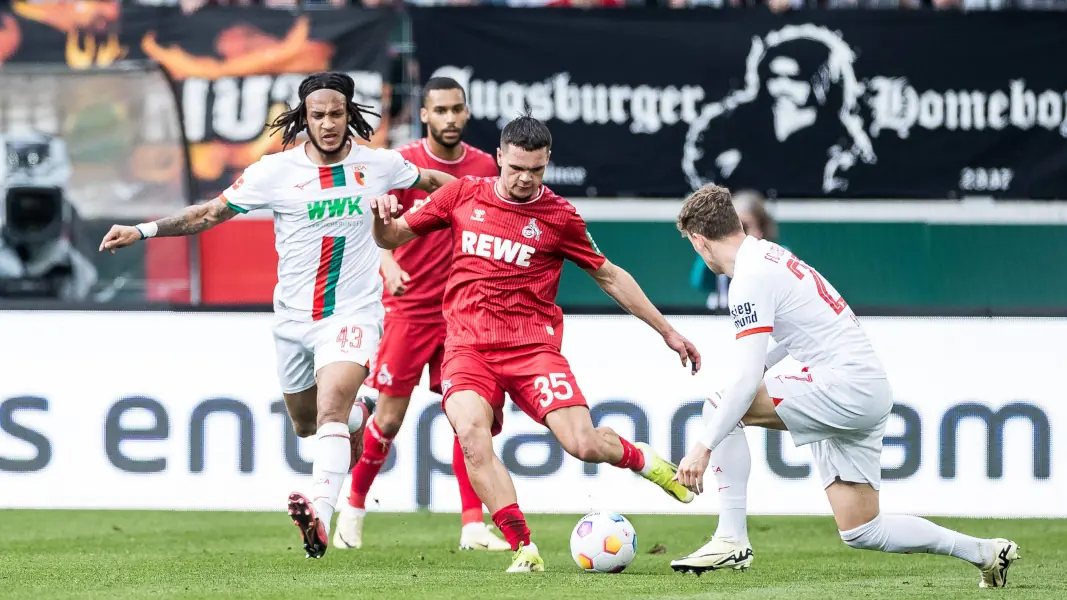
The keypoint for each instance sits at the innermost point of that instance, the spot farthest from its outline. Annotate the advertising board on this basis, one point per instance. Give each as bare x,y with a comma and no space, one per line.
183,411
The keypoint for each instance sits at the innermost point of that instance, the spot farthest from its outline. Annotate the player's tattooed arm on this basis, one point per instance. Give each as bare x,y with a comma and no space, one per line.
195,219
430,181
624,290
190,221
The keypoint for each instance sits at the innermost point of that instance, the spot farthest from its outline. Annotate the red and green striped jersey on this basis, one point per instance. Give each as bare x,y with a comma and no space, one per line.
327,261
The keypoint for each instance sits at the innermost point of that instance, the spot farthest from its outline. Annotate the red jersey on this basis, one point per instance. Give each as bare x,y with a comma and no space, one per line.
507,260
429,259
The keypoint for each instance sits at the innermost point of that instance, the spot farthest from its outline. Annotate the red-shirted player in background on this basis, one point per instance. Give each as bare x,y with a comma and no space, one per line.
510,235
414,336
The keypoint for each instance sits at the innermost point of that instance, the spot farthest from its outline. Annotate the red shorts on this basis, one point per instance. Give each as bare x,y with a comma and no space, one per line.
407,347
538,379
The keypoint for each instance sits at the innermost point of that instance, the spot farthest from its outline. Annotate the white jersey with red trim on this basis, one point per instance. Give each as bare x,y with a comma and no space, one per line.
327,260
772,291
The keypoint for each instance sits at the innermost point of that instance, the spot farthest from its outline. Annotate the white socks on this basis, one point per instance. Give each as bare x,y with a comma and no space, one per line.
348,509
648,462
333,452
731,462
904,534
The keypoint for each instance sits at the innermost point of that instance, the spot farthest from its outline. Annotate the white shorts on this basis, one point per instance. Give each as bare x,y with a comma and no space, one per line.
842,418
304,347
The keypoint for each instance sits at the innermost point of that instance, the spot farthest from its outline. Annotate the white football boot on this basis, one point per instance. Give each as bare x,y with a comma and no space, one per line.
719,553
477,536
995,574
349,532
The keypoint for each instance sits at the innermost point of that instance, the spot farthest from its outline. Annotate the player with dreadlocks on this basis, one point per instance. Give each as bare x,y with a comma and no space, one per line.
324,194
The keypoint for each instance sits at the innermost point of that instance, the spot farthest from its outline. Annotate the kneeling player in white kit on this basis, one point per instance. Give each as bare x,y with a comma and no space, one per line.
838,404
328,301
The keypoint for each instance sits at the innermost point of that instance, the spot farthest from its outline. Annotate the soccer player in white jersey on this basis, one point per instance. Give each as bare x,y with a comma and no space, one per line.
837,404
328,301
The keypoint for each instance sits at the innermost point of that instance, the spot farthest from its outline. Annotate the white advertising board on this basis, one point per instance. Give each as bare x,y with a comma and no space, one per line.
183,411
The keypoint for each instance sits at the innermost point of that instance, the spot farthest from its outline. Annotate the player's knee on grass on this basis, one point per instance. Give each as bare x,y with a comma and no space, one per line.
389,414
868,536
854,505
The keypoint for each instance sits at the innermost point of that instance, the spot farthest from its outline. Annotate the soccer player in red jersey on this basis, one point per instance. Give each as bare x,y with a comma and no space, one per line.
510,236
414,336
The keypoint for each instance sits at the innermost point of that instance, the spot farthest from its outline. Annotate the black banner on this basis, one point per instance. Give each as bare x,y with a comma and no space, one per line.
235,68
851,104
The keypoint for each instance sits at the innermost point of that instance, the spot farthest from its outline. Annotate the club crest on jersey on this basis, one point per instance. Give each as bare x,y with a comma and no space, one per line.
384,376
743,314
479,215
360,174
531,230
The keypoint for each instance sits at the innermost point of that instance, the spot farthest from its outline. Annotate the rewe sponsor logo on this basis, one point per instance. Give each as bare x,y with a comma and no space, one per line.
335,208
496,248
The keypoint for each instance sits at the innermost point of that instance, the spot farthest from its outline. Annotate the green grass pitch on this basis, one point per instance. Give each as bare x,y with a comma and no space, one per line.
133,554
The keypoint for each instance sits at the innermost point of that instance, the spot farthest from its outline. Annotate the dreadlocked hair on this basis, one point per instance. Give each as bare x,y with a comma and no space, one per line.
294,120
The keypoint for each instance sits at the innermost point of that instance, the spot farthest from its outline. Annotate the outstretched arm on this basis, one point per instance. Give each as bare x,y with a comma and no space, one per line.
190,221
434,213
393,234
752,304
622,288
749,354
195,219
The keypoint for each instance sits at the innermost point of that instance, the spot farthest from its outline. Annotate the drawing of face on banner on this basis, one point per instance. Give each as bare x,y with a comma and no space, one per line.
800,90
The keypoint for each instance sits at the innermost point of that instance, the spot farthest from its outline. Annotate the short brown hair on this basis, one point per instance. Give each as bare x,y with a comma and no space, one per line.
710,212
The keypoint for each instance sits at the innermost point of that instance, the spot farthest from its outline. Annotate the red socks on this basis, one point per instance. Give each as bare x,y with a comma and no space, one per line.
632,458
375,450
511,522
468,498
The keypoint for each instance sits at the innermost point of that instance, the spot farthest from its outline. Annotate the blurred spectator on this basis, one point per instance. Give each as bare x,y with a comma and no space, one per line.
758,223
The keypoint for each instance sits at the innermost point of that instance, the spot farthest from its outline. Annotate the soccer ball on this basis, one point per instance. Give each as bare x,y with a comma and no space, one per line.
603,542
